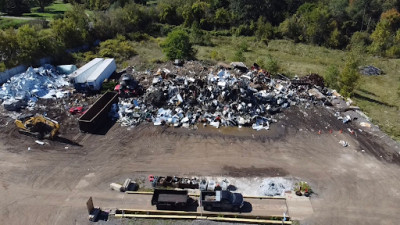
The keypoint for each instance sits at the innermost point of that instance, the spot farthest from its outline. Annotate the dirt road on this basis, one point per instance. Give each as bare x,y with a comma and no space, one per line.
50,184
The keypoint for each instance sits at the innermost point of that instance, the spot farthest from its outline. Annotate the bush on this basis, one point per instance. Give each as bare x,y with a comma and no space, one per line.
359,40
217,56
242,30
199,37
332,77
243,46
238,56
178,46
393,51
265,31
349,76
118,48
3,67
270,64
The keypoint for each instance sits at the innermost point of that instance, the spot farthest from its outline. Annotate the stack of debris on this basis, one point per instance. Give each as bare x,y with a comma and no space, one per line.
24,89
223,98
370,71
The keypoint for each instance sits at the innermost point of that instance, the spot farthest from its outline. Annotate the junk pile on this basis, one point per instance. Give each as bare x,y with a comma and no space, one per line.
222,98
275,186
24,89
370,71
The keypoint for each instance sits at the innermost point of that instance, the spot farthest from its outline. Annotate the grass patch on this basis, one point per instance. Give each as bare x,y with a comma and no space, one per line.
6,23
58,8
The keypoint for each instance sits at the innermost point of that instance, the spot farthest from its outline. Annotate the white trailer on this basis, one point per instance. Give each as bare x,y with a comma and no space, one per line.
80,76
102,72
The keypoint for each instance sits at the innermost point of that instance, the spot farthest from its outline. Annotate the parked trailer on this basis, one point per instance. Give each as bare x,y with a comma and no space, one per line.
79,77
95,117
170,199
102,72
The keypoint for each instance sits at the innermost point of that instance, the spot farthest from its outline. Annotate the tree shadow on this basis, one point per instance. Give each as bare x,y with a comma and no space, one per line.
367,92
356,95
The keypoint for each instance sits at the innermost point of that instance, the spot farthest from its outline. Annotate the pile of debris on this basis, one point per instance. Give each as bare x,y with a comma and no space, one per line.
223,98
276,186
24,89
370,71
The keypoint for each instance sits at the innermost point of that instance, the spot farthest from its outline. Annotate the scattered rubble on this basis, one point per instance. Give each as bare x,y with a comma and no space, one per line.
370,71
343,143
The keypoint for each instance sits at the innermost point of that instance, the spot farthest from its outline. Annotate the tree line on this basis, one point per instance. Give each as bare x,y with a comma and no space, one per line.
371,26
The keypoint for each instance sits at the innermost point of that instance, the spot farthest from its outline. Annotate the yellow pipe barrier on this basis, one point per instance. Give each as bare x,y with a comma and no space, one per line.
242,220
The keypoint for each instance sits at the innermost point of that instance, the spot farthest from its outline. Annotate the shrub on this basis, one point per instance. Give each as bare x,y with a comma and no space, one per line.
265,31
270,64
238,56
199,37
178,46
349,76
332,77
217,56
118,48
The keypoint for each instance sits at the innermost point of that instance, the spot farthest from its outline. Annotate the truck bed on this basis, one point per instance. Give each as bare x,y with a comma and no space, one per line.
172,198
169,196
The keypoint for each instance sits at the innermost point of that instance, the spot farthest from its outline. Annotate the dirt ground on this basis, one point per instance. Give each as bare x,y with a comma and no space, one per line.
50,184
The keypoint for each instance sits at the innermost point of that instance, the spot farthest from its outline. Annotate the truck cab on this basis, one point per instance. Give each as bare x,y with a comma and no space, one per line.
221,201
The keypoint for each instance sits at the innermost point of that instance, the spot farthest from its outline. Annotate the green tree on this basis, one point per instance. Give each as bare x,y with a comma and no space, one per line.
198,36
238,56
384,35
332,77
73,29
315,22
169,11
222,18
177,45
251,10
15,7
271,65
290,28
197,12
118,48
336,39
349,76
264,30
9,47
359,41
29,45
43,3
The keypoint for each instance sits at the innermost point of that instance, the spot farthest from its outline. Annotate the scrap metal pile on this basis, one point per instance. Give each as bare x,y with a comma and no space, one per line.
217,97
24,89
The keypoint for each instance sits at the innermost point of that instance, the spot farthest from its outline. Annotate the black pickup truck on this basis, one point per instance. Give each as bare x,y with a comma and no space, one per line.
221,201
170,199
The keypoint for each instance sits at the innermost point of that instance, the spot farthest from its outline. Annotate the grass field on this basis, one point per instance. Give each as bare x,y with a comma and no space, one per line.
56,9
377,96
6,23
